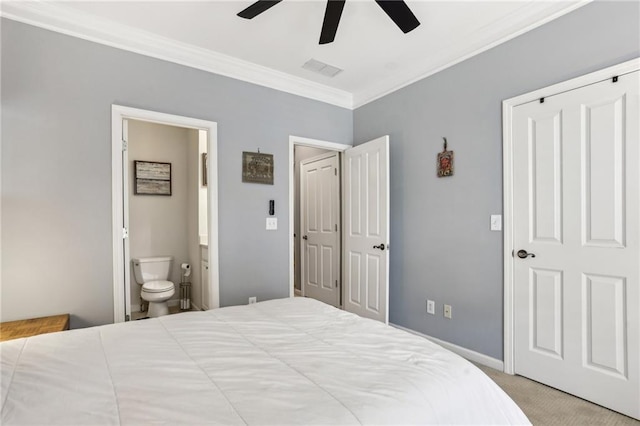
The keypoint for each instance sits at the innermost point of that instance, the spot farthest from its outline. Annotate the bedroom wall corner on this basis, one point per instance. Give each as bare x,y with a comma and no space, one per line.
442,247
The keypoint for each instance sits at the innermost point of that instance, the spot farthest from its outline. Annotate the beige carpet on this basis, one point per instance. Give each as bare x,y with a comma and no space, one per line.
547,406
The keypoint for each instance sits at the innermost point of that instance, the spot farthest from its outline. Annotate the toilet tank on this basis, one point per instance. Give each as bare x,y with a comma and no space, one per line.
148,269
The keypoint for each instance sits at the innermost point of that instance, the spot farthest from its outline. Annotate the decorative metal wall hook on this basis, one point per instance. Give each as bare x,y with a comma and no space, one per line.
445,161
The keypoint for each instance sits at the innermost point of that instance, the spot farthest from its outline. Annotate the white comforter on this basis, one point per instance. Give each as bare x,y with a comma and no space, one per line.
288,361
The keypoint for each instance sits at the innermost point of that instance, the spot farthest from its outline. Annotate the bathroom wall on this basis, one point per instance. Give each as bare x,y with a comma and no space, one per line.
158,224
300,153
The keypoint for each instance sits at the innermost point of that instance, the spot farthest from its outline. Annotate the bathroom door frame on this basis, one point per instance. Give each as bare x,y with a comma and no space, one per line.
119,177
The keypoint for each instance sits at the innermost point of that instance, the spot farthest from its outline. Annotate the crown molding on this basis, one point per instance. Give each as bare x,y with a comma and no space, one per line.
56,17
65,20
511,26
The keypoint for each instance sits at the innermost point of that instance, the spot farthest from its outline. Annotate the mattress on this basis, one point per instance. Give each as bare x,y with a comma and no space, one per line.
280,362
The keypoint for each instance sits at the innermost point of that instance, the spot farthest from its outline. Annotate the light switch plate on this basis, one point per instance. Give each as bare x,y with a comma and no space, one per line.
272,223
496,222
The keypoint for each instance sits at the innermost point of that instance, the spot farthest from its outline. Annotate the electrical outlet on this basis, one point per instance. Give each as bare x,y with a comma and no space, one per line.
431,307
253,300
447,311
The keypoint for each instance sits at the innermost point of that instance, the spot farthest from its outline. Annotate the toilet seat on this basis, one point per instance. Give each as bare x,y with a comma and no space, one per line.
157,286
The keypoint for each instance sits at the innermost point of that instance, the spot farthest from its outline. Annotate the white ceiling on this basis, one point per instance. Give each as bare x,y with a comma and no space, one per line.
377,58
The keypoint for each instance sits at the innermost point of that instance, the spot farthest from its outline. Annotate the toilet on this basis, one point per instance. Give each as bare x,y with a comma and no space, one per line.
153,273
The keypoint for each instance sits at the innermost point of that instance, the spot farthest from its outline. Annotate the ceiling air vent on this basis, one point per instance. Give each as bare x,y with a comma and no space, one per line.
321,68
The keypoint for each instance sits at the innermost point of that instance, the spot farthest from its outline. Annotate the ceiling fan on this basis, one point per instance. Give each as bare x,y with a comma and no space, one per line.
397,10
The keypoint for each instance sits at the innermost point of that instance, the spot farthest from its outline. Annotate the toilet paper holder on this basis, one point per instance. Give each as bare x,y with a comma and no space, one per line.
185,288
186,270
185,296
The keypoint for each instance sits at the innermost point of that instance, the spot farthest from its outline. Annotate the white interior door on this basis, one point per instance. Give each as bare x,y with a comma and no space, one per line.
320,227
366,229
576,191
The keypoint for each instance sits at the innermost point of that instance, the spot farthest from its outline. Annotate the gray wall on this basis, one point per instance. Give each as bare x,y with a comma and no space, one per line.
57,93
442,248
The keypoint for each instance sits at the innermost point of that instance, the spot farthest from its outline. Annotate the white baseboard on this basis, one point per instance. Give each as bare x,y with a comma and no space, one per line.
463,352
297,293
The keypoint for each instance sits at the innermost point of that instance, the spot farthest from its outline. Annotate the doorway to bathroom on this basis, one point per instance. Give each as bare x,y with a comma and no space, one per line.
173,213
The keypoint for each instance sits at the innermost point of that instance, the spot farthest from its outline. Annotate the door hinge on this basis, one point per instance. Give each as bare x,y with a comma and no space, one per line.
125,145
336,283
125,233
335,172
336,227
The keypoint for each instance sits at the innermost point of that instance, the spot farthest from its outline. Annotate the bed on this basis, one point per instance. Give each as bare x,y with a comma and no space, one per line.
279,362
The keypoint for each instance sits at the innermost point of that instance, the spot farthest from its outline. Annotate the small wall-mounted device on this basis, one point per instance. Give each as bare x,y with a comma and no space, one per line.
272,207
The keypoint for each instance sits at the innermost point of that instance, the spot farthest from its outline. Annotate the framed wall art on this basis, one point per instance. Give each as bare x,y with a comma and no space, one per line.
257,168
152,178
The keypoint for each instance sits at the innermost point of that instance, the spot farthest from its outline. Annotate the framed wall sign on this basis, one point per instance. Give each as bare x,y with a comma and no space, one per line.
257,167
152,178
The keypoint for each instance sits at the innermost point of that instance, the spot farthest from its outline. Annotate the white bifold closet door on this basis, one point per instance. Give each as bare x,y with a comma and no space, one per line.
576,209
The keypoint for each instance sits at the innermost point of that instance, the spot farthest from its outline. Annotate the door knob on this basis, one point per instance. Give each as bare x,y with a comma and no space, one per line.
381,246
304,237
522,254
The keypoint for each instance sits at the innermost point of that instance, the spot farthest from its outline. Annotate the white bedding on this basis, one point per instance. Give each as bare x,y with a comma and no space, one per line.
287,361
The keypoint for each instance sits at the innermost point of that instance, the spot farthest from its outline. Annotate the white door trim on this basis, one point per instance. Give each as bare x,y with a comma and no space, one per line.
119,113
507,170
293,141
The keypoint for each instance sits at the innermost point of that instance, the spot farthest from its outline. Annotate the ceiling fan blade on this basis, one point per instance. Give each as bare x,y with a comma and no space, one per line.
257,8
399,13
331,20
